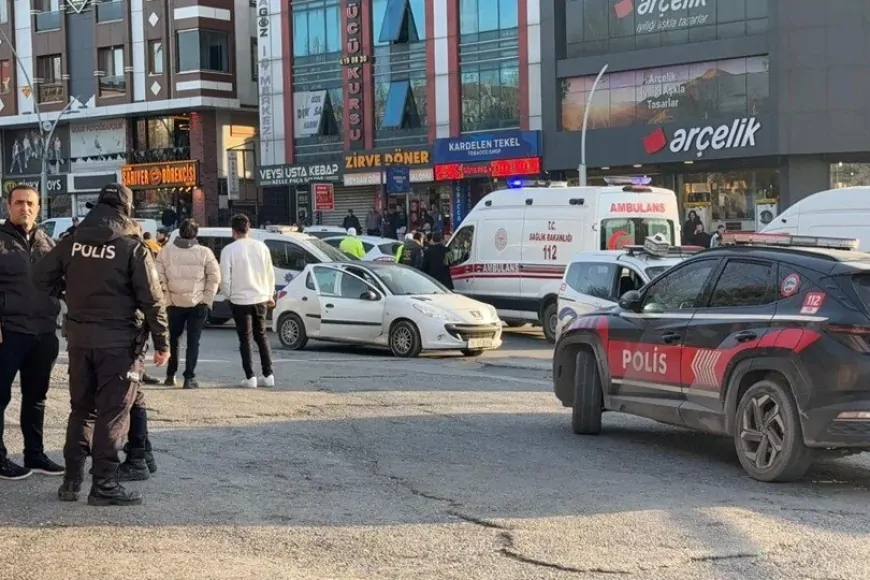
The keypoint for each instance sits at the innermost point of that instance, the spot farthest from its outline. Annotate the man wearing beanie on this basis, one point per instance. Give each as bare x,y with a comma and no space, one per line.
112,293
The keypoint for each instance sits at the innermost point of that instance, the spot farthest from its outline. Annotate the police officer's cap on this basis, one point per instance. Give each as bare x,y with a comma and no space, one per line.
115,195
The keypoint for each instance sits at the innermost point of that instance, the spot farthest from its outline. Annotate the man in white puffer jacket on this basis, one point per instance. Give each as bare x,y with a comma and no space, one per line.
190,275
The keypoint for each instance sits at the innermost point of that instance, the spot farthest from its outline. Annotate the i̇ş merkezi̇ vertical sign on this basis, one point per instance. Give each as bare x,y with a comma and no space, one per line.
353,60
264,60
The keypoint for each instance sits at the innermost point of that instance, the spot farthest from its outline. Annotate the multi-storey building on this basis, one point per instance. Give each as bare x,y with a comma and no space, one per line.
741,106
150,92
423,103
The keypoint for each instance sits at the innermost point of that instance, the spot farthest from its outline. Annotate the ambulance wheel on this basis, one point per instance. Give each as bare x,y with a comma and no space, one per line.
291,332
405,341
586,410
768,434
550,320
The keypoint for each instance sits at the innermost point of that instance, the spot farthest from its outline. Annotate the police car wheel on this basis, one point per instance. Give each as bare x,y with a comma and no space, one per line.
405,340
291,332
587,408
768,434
550,320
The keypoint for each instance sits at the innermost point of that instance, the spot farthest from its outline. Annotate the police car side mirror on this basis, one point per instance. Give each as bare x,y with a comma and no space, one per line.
631,300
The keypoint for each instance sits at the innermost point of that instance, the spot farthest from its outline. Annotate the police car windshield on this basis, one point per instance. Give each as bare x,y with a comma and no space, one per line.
619,232
332,253
403,281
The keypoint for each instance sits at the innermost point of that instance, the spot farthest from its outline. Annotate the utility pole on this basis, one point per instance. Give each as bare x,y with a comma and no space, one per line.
582,169
46,129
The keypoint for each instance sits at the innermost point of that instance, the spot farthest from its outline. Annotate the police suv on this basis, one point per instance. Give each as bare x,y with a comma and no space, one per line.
765,339
596,280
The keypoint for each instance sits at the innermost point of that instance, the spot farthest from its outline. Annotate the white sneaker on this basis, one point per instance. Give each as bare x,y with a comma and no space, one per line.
266,381
249,383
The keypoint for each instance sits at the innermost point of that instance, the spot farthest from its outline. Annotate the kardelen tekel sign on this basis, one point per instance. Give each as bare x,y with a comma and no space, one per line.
478,147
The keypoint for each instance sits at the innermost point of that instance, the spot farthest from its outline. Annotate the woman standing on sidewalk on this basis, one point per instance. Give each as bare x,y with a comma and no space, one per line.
190,276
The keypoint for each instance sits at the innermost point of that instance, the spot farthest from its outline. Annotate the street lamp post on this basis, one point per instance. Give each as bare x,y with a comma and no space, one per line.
44,127
582,168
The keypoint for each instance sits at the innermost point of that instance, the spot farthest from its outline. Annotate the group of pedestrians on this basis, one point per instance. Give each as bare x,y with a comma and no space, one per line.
121,291
429,254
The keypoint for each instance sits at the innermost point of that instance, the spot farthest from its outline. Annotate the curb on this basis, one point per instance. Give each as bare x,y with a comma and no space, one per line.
523,365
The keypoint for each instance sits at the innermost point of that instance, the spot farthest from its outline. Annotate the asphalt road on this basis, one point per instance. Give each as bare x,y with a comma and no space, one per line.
358,465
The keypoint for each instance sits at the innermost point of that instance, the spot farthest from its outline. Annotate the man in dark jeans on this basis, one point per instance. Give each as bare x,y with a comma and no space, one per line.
28,325
248,282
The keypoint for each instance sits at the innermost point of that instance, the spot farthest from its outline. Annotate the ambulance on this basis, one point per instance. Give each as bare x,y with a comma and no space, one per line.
512,249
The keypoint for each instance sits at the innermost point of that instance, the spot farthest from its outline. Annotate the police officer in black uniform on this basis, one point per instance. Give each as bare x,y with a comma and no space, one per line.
112,291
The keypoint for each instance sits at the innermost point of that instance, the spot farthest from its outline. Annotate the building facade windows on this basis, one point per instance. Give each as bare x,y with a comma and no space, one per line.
476,16
155,57
734,87
489,64
4,11
48,71
113,81
400,76
316,28
604,26
203,50
398,21
6,77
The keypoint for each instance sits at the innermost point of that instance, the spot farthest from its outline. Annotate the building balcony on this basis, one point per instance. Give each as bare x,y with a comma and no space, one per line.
114,86
44,21
50,93
110,11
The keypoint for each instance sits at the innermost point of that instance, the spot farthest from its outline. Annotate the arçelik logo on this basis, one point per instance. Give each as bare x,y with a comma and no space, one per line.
740,133
648,7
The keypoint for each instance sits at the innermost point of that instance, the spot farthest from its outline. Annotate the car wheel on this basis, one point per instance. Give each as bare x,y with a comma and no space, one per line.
472,352
218,321
405,340
586,410
515,323
550,320
291,332
768,434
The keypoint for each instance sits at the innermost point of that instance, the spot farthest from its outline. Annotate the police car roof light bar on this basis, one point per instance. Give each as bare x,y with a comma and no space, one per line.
672,251
744,239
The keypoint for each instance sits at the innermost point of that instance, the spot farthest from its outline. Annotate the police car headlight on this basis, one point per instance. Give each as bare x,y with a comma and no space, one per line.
435,313
494,313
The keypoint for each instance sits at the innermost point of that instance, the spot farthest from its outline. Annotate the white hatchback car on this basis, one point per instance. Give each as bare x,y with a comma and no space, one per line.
596,280
324,231
377,249
382,304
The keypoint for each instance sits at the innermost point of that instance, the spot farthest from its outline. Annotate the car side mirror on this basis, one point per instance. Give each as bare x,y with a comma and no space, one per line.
370,295
631,301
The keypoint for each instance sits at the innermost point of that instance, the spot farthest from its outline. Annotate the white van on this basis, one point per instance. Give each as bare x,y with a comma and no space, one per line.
56,227
291,252
512,249
839,213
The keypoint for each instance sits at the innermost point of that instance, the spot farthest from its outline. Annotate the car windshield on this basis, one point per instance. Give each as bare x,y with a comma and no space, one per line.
331,253
404,281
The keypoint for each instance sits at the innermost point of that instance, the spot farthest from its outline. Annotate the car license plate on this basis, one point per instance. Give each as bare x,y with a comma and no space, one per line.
480,343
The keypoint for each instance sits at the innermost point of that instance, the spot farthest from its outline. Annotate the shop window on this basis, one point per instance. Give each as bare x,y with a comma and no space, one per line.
849,174
668,94
730,198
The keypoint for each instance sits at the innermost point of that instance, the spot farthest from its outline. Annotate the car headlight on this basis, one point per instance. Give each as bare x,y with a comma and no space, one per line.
435,313
494,313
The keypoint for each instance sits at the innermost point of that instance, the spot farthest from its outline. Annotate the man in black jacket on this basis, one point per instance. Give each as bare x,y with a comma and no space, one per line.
112,291
436,261
412,253
28,325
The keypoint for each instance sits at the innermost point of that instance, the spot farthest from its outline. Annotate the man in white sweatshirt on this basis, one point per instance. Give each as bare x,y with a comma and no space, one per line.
248,282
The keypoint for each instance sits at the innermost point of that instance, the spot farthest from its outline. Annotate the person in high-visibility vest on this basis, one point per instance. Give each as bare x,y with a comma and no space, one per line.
351,245
401,248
